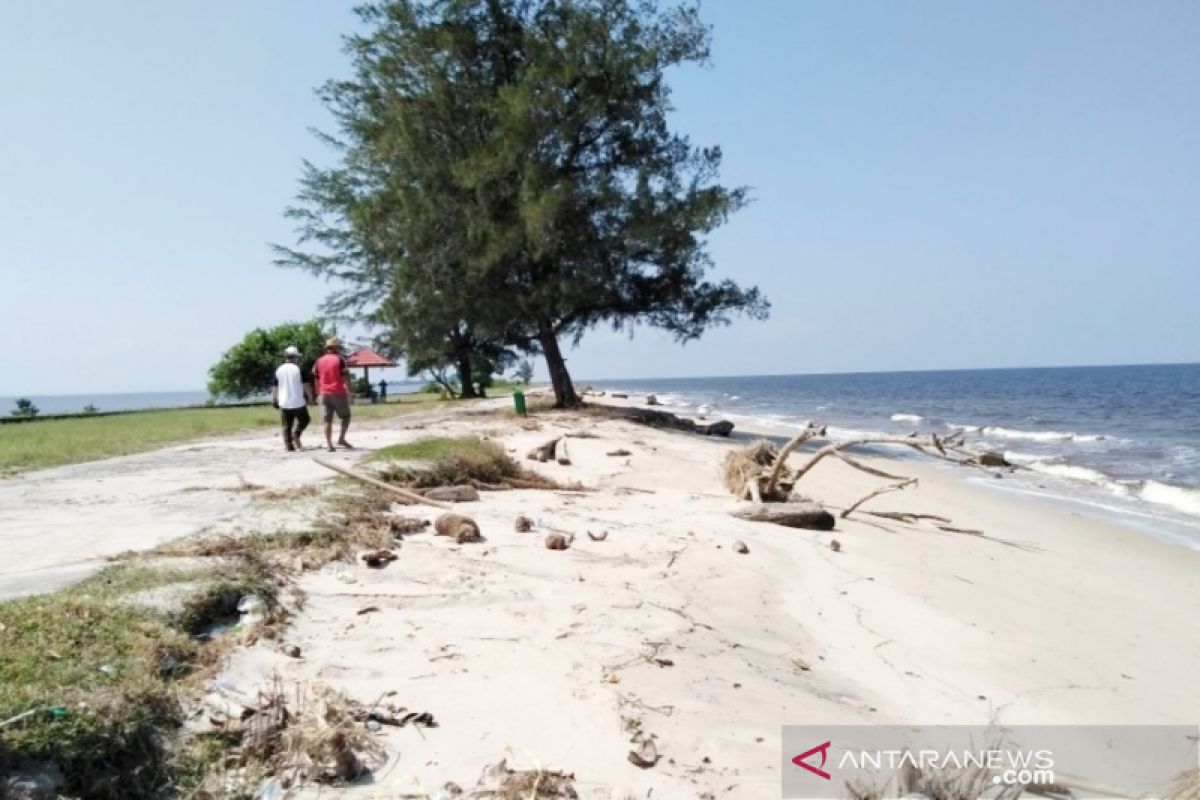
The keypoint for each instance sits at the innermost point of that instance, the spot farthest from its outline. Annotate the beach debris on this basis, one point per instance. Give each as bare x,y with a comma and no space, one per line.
835,545
663,419
740,547
501,782
891,487
801,664
557,541
522,524
544,452
410,496
612,677
564,458
992,458
367,610
395,716
743,471
453,494
461,529
645,754
598,537
652,400
292,651
619,452
36,782
378,559
402,525
809,516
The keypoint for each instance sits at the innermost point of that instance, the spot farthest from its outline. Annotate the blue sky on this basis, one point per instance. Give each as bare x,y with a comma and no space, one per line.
936,185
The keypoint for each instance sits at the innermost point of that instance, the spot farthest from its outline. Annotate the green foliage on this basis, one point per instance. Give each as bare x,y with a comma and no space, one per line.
50,442
524,372
102,673
25,408
449,462
248,368
508,178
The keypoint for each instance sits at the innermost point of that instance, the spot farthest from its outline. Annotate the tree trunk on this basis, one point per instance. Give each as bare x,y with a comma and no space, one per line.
466,380
564,390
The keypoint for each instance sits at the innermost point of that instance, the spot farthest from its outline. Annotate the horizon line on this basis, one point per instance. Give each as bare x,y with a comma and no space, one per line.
578,380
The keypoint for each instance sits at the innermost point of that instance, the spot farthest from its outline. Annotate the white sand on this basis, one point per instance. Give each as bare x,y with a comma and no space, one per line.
508,644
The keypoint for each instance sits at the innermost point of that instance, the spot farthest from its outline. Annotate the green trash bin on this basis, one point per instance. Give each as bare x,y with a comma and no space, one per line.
519,402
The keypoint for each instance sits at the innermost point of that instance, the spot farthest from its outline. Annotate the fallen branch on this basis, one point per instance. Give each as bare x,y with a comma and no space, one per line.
792,515
891,487
755,494
412,497
810,430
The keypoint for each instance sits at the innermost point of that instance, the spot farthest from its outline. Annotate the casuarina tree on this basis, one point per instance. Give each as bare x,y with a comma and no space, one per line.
519,150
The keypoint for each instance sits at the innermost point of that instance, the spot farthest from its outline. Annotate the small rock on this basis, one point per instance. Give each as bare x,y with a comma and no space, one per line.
522,524
645,756
292,650
652,400
556,541
835,545
740,547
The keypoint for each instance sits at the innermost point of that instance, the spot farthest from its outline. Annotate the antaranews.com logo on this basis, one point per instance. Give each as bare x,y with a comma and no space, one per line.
1141,760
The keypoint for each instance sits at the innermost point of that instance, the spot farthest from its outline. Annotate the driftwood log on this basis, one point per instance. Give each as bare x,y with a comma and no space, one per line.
544,452
454,494
411,497
792,515
665,419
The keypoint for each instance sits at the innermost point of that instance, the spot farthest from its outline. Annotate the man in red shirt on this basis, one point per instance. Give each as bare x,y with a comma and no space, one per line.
332,377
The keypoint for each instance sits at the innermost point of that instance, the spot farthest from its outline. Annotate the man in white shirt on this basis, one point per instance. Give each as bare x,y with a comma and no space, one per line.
291,393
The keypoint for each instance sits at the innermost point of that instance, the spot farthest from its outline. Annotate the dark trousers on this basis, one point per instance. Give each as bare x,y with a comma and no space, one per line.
293,417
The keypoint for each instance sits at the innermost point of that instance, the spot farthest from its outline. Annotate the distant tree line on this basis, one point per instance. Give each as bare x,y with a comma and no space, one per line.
506,180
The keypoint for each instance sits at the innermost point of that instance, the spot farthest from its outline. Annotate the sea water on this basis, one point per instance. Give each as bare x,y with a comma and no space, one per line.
1123,440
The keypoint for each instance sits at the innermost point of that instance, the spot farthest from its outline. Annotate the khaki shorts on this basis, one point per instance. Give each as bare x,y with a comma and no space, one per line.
334,404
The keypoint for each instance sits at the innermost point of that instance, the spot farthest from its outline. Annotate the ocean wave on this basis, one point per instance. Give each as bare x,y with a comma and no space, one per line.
1180,498
998,432
906,418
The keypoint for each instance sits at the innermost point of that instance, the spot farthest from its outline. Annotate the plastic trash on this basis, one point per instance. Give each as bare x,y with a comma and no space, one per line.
253,610
269,789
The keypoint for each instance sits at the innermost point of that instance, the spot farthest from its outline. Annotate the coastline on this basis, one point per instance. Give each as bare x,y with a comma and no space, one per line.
547,659
1048,618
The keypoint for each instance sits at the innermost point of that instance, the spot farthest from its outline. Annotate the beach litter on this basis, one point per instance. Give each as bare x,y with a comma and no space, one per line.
461,529
378,559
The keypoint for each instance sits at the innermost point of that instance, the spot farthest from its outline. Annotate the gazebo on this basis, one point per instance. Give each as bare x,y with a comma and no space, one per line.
364,358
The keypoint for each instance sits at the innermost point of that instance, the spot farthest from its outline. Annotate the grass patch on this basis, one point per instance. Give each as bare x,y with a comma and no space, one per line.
102,675
354,520
53,442
447,462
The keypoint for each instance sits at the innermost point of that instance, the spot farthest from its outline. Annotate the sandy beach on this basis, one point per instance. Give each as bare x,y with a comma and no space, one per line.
555,659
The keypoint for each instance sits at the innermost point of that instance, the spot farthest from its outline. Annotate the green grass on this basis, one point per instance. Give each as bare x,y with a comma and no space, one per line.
449,461
38,444
102,675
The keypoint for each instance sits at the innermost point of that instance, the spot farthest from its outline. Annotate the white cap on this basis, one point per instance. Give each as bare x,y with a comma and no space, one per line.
291,350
